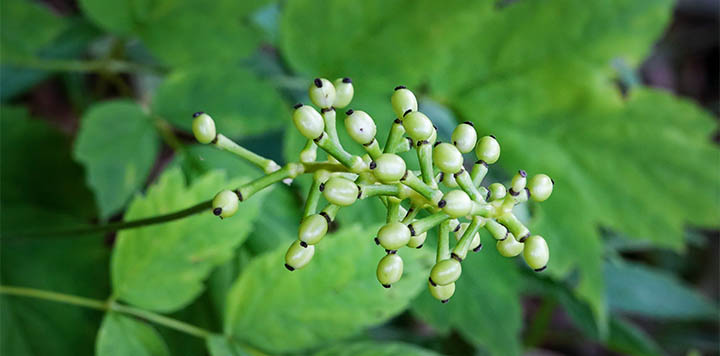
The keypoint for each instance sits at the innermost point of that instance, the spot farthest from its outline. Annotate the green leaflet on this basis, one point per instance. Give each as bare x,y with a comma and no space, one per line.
336,296
640,290
118,144
121,335
219,345
375,41
182,32
20,40
240,103
162,267
486,306
374,348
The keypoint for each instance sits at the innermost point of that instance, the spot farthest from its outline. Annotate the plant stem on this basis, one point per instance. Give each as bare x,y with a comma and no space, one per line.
424,153
396,132
106,306
122,225
62,65
267,165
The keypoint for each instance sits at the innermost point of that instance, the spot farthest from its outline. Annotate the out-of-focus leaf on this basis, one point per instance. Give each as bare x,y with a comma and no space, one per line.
219,345
240,103
70,43
182,32
73,265
118,144
622,336
376,41
26,26
120,335
278,223
162,267
29,150
486,306
641,290
374,348
335,296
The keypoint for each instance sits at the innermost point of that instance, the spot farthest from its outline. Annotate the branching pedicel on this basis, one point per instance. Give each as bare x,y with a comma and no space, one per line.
344,178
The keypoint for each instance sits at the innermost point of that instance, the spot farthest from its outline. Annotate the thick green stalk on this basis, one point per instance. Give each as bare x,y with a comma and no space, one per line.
373,149
479,170
421,188
354,163
396,133
313,198
424,153
393,209
462,247
466,184
371,190
291,170
421,225
329,116
443,248
513,224
224,143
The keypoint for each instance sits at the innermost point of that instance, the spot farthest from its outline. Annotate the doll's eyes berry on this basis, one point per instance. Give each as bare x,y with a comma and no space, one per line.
439,194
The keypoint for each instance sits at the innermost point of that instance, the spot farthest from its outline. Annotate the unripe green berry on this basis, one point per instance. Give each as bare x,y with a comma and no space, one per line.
340,191
360,126
403,100
456,203
312,229
475,244
488,149
447,158
445,272
388,168
393,236
518,182
298,256
308,121
540,186
225,204
203,127
442,293
418,126
464,137
322,93
497,191
417,241
510,247
389,269
344,92
433,137
536,253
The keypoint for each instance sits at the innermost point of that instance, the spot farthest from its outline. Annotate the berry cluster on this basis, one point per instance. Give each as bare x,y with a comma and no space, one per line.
444,192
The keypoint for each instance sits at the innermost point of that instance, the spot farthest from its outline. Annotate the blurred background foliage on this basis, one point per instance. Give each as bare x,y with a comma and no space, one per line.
616,100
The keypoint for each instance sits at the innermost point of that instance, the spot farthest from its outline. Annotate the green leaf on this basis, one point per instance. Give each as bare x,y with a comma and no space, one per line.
352,34
622,336
641,290
162,267
182,32
73,265
219,345
120,335
26,27
336,296
240,103
117,144
374,348
29,149
281,205
486,306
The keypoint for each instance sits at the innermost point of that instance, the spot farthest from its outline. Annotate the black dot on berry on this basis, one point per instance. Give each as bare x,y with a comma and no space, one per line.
373,165
522,173
444,301
217,211
407,112
469,123
318,82
290,268
431,282
386,285
442,203
493,136
298,105
377,241
349,112
303,244
198,114
347,80
399,87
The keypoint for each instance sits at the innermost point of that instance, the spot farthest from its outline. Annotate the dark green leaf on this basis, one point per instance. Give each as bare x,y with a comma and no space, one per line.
486,307
182,32
240,103
118,144
335,296
219,345
26,27
162,267
120,335
645,291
